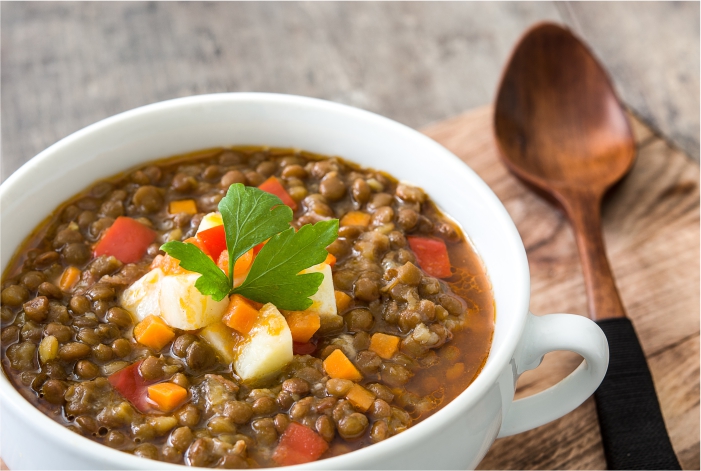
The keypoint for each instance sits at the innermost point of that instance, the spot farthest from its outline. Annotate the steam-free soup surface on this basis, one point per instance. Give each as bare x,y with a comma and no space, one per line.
74,345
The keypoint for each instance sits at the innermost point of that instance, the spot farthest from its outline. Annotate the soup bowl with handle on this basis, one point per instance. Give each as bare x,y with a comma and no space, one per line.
458,435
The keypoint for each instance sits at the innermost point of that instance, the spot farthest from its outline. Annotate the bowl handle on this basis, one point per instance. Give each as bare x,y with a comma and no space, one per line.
545,334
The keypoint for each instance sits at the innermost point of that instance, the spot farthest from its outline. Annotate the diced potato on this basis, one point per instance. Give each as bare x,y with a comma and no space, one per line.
184,307
210,220
48,349
267,348
142,297
324,300
222,339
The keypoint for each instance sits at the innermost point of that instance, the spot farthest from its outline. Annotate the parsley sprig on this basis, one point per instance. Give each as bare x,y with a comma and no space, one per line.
252,216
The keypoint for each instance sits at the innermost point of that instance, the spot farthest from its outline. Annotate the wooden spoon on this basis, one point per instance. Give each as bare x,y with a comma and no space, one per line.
561,129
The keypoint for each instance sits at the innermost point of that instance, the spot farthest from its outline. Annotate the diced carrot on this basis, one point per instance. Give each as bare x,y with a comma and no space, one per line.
69,278
338,366
330,260
153,333
355,218
126,239
360,397
167,396
303,325
169,265
432,255
214,240
342,301
299,445
182,206
272,185
240,315
157,262
223,262
242,265
384,345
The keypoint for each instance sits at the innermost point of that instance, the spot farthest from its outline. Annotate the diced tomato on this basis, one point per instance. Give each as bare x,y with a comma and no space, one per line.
272,185
298,445
306,348
126,239
214,240
432,255
259,247
132,386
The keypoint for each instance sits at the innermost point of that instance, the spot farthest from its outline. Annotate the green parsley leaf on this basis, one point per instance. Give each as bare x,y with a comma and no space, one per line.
250,217
274,275
213,281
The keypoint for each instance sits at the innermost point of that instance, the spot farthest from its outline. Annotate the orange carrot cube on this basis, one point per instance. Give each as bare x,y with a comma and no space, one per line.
384,345
242,265
182,206
342,301
330,260
355,218
303,325
360,397
338,366
69,278
167,396
153,333
240,315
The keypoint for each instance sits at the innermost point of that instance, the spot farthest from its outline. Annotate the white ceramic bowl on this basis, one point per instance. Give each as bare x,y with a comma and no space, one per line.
459,435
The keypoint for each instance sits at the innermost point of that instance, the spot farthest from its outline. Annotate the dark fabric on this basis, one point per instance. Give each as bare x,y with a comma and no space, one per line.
632,428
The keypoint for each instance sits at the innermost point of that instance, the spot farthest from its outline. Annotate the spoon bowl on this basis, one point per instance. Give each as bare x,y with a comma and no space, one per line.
558,121
561,129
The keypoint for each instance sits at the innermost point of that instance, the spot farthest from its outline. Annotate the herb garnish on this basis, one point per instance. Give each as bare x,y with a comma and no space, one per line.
252,216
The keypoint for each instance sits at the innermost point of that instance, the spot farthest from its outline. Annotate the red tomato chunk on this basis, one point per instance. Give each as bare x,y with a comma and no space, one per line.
214,240
272,185
432,255
126,239
132,386
299,445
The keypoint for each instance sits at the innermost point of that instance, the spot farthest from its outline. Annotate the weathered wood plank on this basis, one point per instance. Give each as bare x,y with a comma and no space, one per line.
651,228
660,83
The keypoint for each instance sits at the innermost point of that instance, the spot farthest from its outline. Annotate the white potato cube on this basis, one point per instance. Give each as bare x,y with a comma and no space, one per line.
267,348
324,300
222,339
209,221
141,299
184,307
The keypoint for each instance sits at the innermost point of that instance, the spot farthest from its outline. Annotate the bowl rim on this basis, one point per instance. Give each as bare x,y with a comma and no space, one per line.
464,401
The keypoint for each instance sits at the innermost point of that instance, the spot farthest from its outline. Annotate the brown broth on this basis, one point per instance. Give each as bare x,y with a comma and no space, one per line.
456,364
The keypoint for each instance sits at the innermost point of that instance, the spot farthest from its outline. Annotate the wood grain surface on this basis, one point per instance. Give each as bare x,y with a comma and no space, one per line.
651,229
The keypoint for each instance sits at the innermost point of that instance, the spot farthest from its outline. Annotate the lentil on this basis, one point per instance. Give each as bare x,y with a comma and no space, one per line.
61,346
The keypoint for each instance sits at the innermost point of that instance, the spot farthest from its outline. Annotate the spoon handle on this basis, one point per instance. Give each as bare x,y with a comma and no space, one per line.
584,211
632,427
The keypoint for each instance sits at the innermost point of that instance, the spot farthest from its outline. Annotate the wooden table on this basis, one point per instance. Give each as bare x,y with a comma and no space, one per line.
651,226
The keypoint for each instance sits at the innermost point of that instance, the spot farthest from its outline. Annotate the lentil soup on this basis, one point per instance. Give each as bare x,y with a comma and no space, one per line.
400,325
